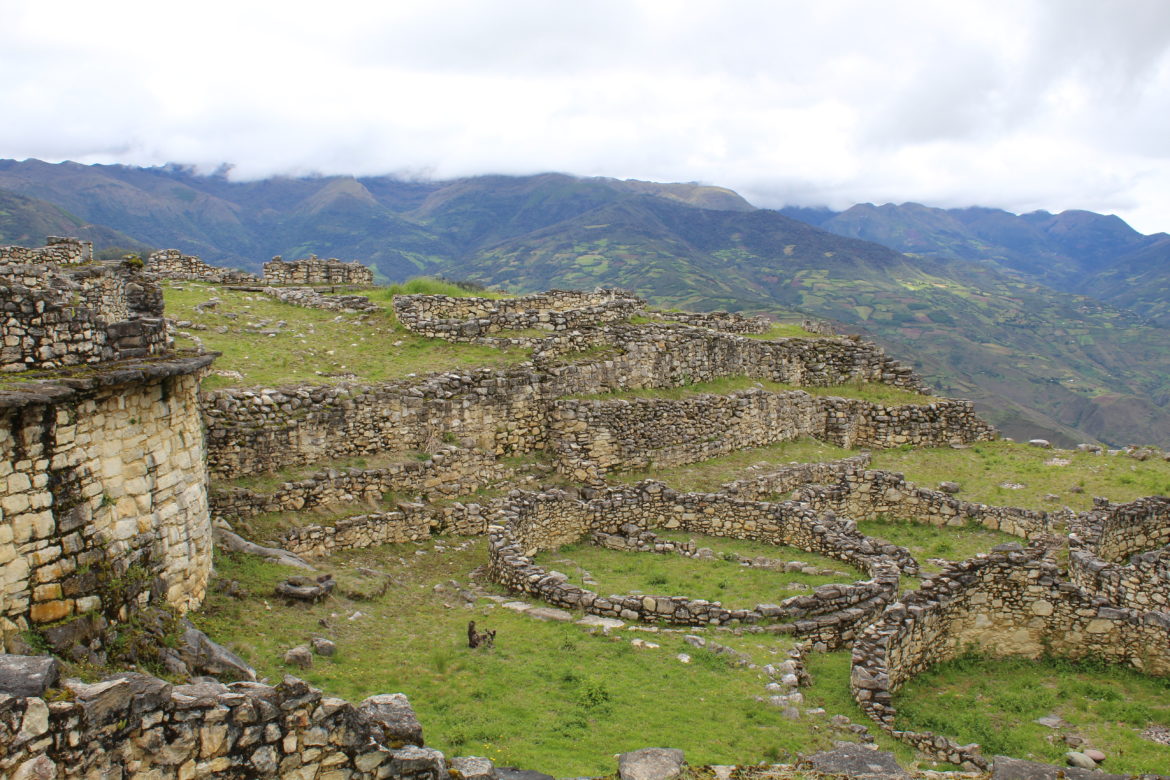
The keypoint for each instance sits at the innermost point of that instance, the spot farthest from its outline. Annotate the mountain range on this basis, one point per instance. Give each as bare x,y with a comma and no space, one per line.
1056,325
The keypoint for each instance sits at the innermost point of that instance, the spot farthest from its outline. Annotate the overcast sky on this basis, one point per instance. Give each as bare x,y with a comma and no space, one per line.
1021,104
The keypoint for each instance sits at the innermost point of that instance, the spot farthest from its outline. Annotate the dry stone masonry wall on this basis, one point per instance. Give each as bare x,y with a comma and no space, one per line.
467,319
1122,552
314,270
57,251
528,523
507,411
863,494
134,725
715,320
1011,602
452,471
595,437
173,264
72,311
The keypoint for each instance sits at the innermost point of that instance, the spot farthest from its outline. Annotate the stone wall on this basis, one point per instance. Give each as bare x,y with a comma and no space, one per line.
506,411
410,522
528,523
1122,552
467,319
595,437
452,471
863,494
173,264
715,320
57,251
61,315
314,270
1011,602
99,474
134,725
310,298
787,478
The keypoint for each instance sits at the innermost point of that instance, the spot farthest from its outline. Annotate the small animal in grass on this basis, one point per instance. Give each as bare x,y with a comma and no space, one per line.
479,639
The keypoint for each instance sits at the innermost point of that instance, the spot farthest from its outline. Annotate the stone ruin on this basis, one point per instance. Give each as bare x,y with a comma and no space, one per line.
314,270
63,309
173,264
108,467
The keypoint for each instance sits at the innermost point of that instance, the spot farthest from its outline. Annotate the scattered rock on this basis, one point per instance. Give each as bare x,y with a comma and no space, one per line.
1042,443
324,647
473,767
1079,760
1096,755
949,487
300,656
549,613
651,764
1005,768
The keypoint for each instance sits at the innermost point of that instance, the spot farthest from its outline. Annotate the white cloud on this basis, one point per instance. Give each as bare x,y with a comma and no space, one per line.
1042,104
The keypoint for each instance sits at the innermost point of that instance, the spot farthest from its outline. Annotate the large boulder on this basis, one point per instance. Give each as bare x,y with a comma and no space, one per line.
1006,768
855,761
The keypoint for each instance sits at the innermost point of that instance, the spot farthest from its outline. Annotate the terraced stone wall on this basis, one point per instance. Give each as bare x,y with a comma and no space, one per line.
314,270
595,437
467,319
410,522
1005,603
452,471
99,475
1122,552
506,411
309,298
139,726
786,478
864,494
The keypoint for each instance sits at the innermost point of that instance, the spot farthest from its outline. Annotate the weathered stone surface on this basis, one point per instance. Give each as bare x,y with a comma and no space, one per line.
300,656
855,761
393,715
473,767
203,656
549,613
511,773
1006,768
24,676
651,764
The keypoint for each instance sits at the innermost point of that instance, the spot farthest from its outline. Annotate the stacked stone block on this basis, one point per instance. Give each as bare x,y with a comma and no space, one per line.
314,270
310,298
105,470
57,251
134,725
1122,552
468,319
530,522
173,264
1012,602
595,437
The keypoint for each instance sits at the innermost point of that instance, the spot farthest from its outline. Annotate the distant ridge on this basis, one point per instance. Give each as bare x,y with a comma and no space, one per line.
1054,324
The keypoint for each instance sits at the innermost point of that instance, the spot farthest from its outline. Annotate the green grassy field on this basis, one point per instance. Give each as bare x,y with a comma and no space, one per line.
727,581
995,702
312,345
549,696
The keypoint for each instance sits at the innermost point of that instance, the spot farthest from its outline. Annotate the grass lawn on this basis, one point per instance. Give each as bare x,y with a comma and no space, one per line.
924,541
548,696
732,584
982,469
312,345
995,702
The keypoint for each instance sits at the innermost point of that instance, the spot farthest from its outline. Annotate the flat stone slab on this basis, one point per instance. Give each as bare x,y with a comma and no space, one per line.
511,773
517,606
1018,769
473,767
856,762
604,623
27,675
549,613
651,764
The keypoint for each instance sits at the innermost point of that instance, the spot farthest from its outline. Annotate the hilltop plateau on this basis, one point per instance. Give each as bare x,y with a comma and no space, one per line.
564,525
